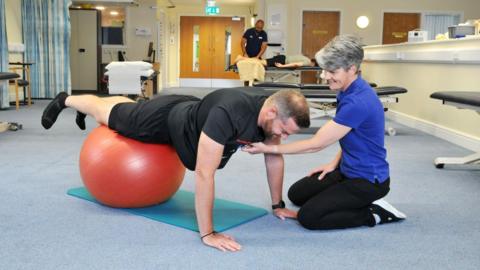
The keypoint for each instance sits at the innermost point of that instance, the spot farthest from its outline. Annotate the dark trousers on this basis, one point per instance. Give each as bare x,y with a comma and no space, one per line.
335,202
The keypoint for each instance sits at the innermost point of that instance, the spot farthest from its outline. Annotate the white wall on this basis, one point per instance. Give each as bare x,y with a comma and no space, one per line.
421,79
374,9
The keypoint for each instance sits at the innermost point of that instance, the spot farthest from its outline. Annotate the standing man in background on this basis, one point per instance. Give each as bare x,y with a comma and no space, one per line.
254,41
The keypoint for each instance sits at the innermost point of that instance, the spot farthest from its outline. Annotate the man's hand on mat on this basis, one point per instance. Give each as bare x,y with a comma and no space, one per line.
257,148
222,242
283,213
325,168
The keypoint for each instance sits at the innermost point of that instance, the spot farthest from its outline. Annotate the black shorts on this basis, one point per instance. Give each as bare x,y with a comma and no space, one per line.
145,121
276,59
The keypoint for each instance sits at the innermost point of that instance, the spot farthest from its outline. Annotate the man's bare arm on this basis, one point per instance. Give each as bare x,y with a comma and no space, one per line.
243,43
274,164
208,159
262,50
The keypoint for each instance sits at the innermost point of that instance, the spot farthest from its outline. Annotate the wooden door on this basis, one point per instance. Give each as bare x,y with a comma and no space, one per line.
319,27
195,47
83,49
226,36
397,25
203,46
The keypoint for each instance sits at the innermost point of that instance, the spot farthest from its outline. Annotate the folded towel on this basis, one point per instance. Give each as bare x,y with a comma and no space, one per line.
144,73
132,65
125,82
251,69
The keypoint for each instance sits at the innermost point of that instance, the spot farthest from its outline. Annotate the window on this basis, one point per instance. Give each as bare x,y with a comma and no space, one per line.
113,25
438,23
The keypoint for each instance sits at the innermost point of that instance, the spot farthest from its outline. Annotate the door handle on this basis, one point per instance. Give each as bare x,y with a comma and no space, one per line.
82,50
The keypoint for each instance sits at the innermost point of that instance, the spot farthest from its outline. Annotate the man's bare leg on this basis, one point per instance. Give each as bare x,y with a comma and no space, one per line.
98,108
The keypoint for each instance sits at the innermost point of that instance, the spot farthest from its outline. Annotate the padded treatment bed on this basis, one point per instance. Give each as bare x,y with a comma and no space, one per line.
462,100
278,74
5,76
323,101
8,76
301,86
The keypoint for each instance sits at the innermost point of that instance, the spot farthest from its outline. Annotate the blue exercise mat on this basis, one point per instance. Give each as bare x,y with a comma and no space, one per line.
180,211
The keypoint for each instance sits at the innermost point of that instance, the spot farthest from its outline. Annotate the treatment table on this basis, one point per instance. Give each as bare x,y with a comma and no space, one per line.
462,100
276,74
5,76
323,101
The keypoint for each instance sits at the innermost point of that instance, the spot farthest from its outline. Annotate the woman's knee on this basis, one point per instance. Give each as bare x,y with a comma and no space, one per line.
307,219
295,194
299,192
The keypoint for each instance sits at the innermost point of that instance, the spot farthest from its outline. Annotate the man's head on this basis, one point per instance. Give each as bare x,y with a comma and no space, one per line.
340,60
284,113
259,25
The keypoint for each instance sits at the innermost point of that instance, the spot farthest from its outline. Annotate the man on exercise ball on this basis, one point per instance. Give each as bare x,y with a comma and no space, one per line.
204,132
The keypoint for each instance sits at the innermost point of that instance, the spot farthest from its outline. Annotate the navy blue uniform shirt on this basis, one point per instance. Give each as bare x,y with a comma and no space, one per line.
254,41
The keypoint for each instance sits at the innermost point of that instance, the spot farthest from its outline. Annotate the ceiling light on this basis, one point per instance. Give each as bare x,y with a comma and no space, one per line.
362,22
114,13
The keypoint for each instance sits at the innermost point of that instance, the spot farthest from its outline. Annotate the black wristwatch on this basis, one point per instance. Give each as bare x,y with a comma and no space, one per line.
281,204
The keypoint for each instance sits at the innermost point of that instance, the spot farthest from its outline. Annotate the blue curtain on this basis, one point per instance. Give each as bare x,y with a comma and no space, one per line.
438,23
46,34
4,94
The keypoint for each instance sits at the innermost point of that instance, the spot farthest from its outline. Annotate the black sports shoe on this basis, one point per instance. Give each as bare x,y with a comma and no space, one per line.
80,120
53,109
386,212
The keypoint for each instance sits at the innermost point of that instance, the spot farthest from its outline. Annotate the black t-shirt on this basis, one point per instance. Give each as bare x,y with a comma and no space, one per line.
227,116
254,41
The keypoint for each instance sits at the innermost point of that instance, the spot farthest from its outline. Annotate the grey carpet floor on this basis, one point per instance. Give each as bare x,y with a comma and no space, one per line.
43,228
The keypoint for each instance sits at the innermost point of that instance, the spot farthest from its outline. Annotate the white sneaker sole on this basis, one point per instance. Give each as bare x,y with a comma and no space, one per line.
385,205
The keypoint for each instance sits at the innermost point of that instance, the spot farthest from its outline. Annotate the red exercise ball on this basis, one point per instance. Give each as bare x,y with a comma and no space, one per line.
122,172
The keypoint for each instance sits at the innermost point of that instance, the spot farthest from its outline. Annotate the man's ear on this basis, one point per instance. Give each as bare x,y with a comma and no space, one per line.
272,112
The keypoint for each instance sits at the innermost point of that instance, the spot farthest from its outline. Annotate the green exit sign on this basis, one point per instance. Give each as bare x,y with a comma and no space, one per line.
212,10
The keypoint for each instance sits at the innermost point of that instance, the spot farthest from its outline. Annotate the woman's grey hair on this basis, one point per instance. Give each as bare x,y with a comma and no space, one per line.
341,52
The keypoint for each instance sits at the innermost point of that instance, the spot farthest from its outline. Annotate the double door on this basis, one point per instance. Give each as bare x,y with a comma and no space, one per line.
208,46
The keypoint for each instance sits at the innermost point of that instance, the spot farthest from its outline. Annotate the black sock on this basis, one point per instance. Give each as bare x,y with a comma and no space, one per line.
53,109
62,97
80,120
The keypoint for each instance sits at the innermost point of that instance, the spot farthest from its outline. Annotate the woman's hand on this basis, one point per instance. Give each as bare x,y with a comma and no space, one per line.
257,148
325,168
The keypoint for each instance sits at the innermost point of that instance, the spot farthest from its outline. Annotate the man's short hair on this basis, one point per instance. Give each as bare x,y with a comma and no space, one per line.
291,103
342,51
